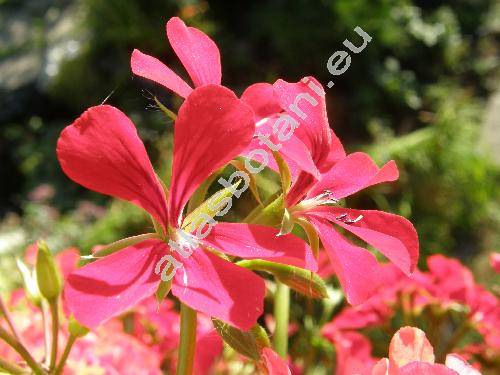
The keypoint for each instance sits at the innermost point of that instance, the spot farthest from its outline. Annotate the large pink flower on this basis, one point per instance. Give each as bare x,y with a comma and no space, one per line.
322,175
102,151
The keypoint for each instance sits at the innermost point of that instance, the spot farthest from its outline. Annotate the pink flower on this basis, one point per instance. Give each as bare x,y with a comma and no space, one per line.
449,282
102,151
410,353
198,54
200,57
323,174
353,352
108,350
159,327
273,363
495,262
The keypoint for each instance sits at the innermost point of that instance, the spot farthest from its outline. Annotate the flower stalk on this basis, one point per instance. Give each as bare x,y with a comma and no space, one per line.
65,355
282,316
54,312
5,312
187,345
11,368
21,350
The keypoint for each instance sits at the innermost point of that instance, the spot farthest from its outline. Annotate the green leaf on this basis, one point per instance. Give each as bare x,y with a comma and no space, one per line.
250,343
163,290
240,165
287,223
270,215
285,175
312,236
121,244
200,193
158,227
301,280
208,208
164,109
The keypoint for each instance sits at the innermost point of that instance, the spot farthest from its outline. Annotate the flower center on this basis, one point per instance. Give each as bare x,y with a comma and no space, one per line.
319,200
184,243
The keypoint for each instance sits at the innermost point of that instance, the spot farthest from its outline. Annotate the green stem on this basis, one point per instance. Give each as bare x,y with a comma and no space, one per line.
12,368
281,316
19,348
187,343
65,355
46,331
54,311
5,312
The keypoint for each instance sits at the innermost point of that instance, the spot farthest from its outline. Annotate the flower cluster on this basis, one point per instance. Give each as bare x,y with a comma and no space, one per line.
459,315
209,266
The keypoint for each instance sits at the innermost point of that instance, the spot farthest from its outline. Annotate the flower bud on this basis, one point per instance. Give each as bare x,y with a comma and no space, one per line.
30,284
248,343
47,273
301,280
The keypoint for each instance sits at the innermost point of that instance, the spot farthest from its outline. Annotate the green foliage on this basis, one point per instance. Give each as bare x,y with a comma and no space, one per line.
448,185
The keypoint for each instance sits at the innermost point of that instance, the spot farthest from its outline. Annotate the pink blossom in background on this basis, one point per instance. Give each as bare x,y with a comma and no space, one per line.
410,353
495,261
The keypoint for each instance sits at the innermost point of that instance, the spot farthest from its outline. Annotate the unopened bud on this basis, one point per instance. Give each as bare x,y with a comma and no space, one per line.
30,284
47,273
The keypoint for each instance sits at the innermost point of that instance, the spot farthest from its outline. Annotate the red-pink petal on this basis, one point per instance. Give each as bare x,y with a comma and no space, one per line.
423,368
275,365
151,68
293,150
299,158
220,289
197,52
112,285
409,344
260,96
356,268
208,348
393,235
68,261
381,367
353,353
213,127
355,172
102,151
251,241
460,365
314,129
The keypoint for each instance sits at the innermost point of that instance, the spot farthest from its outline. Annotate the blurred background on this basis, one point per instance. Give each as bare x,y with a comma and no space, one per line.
424,92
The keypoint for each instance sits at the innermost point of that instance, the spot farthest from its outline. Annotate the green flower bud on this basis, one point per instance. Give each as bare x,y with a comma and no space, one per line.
30,284
47,273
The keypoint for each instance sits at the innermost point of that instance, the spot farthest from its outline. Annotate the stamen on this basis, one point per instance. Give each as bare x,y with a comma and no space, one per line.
324,198
185,243
348,220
